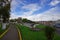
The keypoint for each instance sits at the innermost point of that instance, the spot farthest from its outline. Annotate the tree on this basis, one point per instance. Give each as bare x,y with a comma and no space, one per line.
24,20
28,21
12,20
49,32
6,13
5,9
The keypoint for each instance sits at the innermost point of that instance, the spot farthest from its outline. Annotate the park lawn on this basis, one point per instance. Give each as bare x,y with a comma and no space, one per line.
40,26
27,34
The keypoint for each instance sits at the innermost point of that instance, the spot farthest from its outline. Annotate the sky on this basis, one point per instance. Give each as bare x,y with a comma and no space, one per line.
36,10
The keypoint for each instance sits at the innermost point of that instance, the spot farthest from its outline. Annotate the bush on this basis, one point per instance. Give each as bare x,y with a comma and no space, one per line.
49,32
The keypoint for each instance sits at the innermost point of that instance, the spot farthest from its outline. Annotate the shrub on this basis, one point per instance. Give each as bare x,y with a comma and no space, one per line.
49,32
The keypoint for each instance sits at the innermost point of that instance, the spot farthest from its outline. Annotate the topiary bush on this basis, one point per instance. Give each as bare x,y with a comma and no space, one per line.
49,32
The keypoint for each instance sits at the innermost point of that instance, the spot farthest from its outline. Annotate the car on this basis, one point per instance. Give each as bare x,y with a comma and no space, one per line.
57,25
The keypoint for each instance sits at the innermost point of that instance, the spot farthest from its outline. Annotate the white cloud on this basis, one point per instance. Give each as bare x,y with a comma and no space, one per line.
46,16
15,4
43,2
54,2
13,16
31,8
51,14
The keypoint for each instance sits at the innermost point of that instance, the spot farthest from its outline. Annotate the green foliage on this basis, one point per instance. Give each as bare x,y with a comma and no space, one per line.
1,28
49,32
13,20
5,10
28,21
24,20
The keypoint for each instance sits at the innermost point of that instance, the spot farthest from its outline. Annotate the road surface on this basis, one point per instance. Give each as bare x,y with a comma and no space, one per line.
12,34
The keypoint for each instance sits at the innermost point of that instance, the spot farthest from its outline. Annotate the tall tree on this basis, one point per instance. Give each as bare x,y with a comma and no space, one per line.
5,9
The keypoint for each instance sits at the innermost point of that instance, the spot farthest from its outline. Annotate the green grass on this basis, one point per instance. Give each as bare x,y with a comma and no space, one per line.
40,26
57,37
0,26
2,30
27,34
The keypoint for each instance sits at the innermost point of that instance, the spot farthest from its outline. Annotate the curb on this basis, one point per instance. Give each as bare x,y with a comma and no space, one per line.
4,33
19,33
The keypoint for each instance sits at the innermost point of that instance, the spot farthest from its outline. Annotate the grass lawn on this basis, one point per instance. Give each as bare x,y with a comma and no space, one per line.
40,26
27,34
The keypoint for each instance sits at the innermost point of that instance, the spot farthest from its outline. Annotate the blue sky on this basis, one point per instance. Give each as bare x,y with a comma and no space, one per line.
36,10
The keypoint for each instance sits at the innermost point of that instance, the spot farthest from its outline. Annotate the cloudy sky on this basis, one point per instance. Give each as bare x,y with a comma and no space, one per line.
36,10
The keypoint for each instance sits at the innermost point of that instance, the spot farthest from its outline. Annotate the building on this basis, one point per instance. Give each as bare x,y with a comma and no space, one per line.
49,23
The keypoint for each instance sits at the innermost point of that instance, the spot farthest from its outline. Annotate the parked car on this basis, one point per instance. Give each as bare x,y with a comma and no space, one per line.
57,25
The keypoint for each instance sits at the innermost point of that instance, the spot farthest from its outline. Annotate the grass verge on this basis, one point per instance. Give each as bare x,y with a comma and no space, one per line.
40,26
27,34
19,33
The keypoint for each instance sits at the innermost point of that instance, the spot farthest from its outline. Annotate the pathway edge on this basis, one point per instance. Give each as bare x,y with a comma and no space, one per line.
4,33
19,33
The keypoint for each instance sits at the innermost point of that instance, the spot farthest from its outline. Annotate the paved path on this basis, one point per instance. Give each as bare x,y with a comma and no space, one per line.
12,34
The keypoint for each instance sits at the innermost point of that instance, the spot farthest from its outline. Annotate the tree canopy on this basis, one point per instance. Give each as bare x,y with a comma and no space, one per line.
5,9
